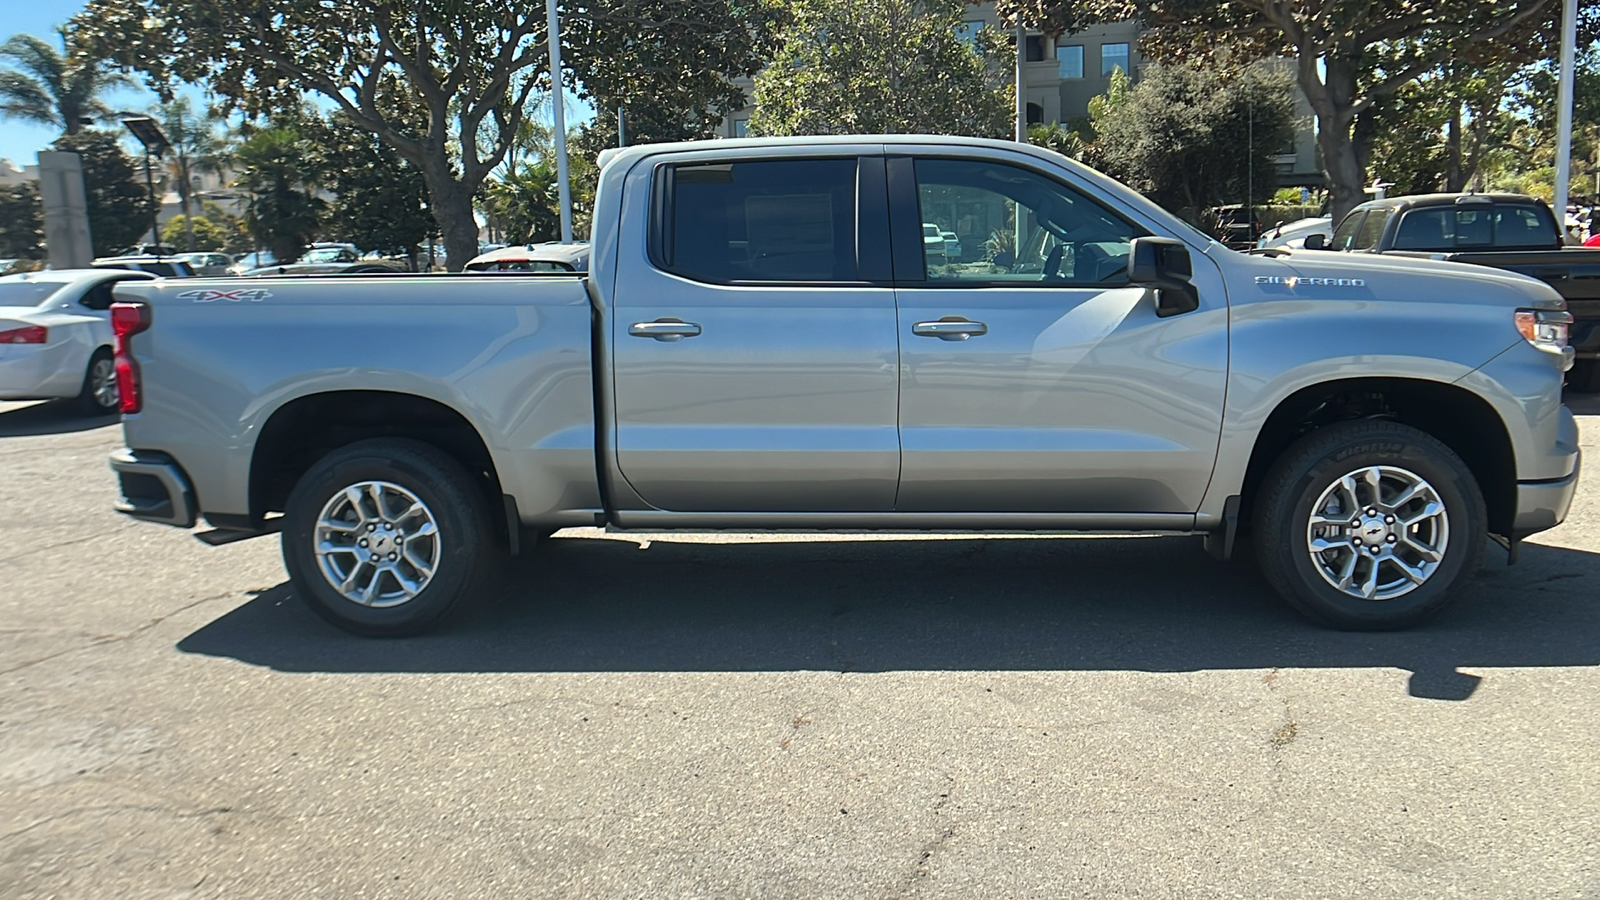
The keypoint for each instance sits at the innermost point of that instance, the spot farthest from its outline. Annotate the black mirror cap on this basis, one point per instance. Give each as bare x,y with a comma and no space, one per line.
1163,263
1317,241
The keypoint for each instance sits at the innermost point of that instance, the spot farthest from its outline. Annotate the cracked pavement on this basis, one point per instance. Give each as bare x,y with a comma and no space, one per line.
773,716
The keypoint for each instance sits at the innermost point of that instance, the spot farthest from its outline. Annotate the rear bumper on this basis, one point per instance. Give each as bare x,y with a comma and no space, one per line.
1542,505
154,488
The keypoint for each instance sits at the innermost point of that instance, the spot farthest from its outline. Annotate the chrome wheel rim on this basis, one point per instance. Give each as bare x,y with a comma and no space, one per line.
103,384
1378,533
377,544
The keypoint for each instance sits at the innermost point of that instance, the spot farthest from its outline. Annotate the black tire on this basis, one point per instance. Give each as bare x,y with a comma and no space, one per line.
94,399
466,548
1298,480
1584,376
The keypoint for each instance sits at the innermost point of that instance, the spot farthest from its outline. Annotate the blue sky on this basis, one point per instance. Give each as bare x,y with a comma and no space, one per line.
20,141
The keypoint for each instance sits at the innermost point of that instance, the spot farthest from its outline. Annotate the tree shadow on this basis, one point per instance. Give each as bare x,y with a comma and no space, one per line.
1153,604
51,417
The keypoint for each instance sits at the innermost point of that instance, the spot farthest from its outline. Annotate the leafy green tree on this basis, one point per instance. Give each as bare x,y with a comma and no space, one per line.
1191,139
1063,140
380,200
118,203
1349,56
468,68
879,66
201,233
273,167
524,205
196,147
21,221
61,88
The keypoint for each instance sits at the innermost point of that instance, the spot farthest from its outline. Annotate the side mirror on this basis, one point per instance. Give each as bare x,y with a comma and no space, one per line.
1163,263
1317,241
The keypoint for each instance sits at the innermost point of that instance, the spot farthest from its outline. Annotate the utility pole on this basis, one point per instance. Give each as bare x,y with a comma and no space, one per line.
1022,95
553,35
622,136
1569,48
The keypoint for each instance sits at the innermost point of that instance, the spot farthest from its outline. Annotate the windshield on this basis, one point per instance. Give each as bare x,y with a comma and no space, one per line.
327,255
17,292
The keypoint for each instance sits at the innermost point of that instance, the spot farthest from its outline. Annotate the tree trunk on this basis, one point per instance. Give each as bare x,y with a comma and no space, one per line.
1346,179
452,209
1333,100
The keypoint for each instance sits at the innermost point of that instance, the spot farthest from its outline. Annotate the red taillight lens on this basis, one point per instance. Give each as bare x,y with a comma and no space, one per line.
33,334
127,320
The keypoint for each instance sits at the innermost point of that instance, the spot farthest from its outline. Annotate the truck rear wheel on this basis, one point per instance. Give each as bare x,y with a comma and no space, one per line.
387,537
1369,525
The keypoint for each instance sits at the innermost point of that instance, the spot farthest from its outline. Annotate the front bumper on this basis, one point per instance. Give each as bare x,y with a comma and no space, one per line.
1542,505
154,488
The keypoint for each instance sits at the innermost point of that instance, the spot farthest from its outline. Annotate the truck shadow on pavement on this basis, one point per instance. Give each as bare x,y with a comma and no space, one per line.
1153,604
54,417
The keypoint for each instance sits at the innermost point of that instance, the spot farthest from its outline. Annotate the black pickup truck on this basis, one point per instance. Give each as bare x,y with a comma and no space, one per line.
1514,232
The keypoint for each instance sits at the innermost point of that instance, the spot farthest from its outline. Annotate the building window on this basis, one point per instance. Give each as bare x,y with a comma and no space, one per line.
1070,58
1113,56
1035,114
967,32
740,126
1035,49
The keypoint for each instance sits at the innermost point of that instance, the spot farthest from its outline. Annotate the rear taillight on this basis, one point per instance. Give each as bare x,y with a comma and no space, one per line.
33,334
127,320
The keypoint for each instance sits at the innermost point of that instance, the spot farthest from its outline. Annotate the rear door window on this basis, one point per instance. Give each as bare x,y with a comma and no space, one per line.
1345,235
1371,231
788,220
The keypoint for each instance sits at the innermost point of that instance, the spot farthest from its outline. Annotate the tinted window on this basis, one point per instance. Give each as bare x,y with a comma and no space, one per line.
1112,57
1371,230
1524,226
1426,229
1014,226
99,296
1069,60
1344,237
777,220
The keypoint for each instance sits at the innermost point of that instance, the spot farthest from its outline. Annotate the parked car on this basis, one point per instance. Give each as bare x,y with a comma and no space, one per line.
933,243
760,345
208,263
1293,235
56,339
246,262
952,245
552,256
164,266
1514,232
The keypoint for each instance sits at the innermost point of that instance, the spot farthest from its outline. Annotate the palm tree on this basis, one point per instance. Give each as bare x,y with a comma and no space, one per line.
55,88
196,147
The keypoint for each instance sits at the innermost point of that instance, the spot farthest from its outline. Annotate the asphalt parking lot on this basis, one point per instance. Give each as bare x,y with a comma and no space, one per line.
777,716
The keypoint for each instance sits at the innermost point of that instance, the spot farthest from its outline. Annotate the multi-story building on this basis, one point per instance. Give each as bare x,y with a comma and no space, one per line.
1062,74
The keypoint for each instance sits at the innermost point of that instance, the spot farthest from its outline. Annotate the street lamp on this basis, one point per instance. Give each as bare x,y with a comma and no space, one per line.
148,133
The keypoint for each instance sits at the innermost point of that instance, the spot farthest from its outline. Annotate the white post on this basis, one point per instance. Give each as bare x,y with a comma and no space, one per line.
1022,95
1569,48
558,99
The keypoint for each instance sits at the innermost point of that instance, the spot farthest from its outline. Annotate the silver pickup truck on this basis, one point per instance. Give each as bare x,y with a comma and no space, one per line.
763,342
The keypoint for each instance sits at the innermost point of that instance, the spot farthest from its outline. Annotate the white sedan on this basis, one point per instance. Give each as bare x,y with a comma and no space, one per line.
55,336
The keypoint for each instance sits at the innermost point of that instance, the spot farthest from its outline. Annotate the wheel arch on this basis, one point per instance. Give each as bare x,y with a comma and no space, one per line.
309,427
1462,420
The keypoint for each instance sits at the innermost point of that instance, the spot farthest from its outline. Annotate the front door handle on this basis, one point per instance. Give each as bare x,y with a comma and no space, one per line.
950,328
665,329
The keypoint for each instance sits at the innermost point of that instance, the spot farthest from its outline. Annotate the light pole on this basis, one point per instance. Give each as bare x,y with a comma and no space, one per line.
1569,48
148,133
1022,95
553,35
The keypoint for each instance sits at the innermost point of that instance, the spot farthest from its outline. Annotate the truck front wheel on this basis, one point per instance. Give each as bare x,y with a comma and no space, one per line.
387,537
1369,525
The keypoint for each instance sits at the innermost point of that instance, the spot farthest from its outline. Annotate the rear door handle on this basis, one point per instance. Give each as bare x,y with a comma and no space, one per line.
665,329
950,328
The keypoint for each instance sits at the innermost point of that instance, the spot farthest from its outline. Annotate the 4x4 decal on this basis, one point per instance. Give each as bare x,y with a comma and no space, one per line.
254,295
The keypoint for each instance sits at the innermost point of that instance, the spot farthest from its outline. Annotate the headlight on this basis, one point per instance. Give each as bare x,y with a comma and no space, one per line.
1544,328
